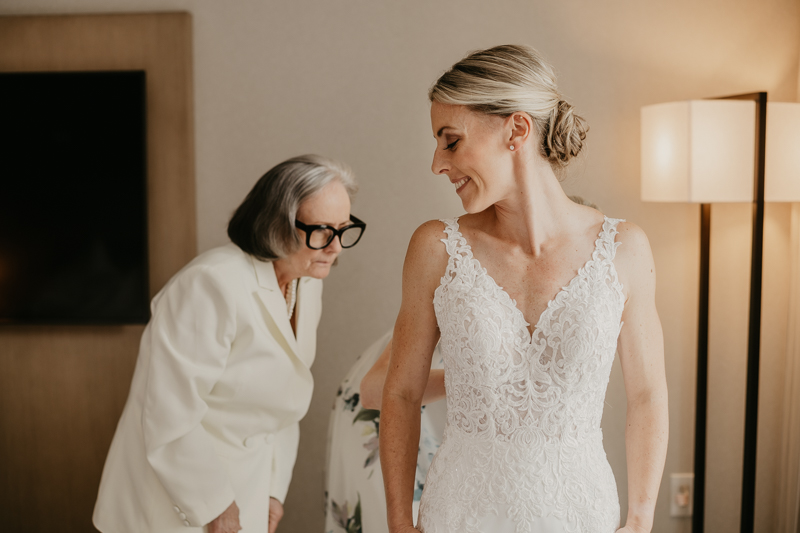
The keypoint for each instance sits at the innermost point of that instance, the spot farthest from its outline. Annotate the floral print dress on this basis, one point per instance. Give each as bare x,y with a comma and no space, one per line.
354,497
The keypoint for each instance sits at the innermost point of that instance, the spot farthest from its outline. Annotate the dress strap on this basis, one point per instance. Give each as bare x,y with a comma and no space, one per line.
455,244
454,241
606,243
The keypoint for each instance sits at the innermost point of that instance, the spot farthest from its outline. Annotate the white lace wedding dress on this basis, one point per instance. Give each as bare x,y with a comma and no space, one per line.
523,449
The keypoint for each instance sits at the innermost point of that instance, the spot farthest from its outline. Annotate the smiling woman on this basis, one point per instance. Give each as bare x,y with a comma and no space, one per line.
209,433
528,348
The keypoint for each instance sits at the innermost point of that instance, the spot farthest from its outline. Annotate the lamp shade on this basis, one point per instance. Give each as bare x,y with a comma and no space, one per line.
700,151
703,151
782,165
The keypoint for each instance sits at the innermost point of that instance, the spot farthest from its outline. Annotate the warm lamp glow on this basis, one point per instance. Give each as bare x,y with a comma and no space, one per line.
698,151
703,151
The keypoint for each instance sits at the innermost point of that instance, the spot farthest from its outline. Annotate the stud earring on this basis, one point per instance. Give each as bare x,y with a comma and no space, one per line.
512,146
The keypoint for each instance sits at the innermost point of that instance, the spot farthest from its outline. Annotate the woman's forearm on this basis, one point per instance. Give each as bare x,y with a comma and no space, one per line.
372,388
646,437
399,443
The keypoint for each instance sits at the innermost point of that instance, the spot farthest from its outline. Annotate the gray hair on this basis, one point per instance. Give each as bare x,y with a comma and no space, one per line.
263,225
510,78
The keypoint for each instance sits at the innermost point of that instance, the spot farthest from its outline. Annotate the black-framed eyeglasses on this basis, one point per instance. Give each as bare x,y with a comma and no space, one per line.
318,236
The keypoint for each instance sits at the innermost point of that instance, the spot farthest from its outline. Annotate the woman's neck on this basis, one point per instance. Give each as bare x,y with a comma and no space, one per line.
284,273
538,211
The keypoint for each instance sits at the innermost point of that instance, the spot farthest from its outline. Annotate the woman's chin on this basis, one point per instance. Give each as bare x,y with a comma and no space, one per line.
472,207
320,270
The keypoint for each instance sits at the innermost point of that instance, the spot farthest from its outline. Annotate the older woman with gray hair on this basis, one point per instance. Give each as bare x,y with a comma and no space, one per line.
208,437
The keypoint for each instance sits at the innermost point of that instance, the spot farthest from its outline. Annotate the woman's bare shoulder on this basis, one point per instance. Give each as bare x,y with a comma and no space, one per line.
426,252
432,229
633,238
428,237
634,258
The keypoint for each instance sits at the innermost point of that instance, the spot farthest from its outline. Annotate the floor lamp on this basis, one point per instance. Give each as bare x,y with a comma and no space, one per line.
723,150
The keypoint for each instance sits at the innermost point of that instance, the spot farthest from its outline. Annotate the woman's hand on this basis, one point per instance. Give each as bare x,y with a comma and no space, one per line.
275,514
227,522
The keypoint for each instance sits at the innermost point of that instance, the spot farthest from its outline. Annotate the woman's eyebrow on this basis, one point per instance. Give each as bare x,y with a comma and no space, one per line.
337,225
439,133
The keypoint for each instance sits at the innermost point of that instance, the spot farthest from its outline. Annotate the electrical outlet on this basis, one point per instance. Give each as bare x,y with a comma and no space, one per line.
681,494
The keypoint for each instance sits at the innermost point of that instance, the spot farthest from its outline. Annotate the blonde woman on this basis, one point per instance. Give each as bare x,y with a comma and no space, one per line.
529,296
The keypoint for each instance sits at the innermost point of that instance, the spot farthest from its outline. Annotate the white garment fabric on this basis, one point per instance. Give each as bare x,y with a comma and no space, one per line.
523,450
355,501
212,416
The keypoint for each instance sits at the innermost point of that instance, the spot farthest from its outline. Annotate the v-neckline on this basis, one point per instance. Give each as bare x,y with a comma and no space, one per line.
531,333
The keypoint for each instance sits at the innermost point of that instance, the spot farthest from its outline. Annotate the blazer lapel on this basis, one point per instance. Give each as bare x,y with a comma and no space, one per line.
306,331
271,295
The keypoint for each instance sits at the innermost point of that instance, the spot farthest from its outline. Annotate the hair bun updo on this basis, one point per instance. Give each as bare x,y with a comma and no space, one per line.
509,78
564,134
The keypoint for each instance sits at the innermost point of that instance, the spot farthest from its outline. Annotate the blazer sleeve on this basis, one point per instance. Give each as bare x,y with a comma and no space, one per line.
283,459
191,331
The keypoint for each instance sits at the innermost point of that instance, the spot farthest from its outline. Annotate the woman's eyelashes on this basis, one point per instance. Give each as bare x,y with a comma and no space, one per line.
452,145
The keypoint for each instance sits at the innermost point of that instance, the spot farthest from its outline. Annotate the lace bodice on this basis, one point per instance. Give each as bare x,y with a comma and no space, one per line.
523,431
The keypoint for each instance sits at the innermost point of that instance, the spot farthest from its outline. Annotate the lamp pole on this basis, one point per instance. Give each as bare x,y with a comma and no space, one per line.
701,402
747,521
754,327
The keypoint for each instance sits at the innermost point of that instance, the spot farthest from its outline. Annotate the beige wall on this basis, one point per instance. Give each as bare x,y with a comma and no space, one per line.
347,79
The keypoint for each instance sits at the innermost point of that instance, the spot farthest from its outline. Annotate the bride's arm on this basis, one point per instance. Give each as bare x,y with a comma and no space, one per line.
415,337
641,351
371,388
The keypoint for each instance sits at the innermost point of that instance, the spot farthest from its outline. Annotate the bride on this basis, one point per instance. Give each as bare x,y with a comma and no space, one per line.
529,296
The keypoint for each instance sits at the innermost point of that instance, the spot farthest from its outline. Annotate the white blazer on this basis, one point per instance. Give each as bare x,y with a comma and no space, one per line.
219,387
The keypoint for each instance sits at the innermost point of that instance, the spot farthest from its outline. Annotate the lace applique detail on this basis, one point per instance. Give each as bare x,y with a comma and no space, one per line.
523,439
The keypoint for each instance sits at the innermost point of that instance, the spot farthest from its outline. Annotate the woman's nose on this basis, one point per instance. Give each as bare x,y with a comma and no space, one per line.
440,163
335,245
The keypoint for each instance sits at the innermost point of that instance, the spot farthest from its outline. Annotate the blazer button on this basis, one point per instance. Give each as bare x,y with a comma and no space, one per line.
183,516
176,509
186,523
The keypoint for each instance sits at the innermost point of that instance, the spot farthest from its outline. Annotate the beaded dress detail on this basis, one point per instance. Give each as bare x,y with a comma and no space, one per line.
523,450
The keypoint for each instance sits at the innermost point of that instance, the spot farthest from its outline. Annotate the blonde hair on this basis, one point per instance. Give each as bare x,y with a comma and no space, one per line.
510,78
